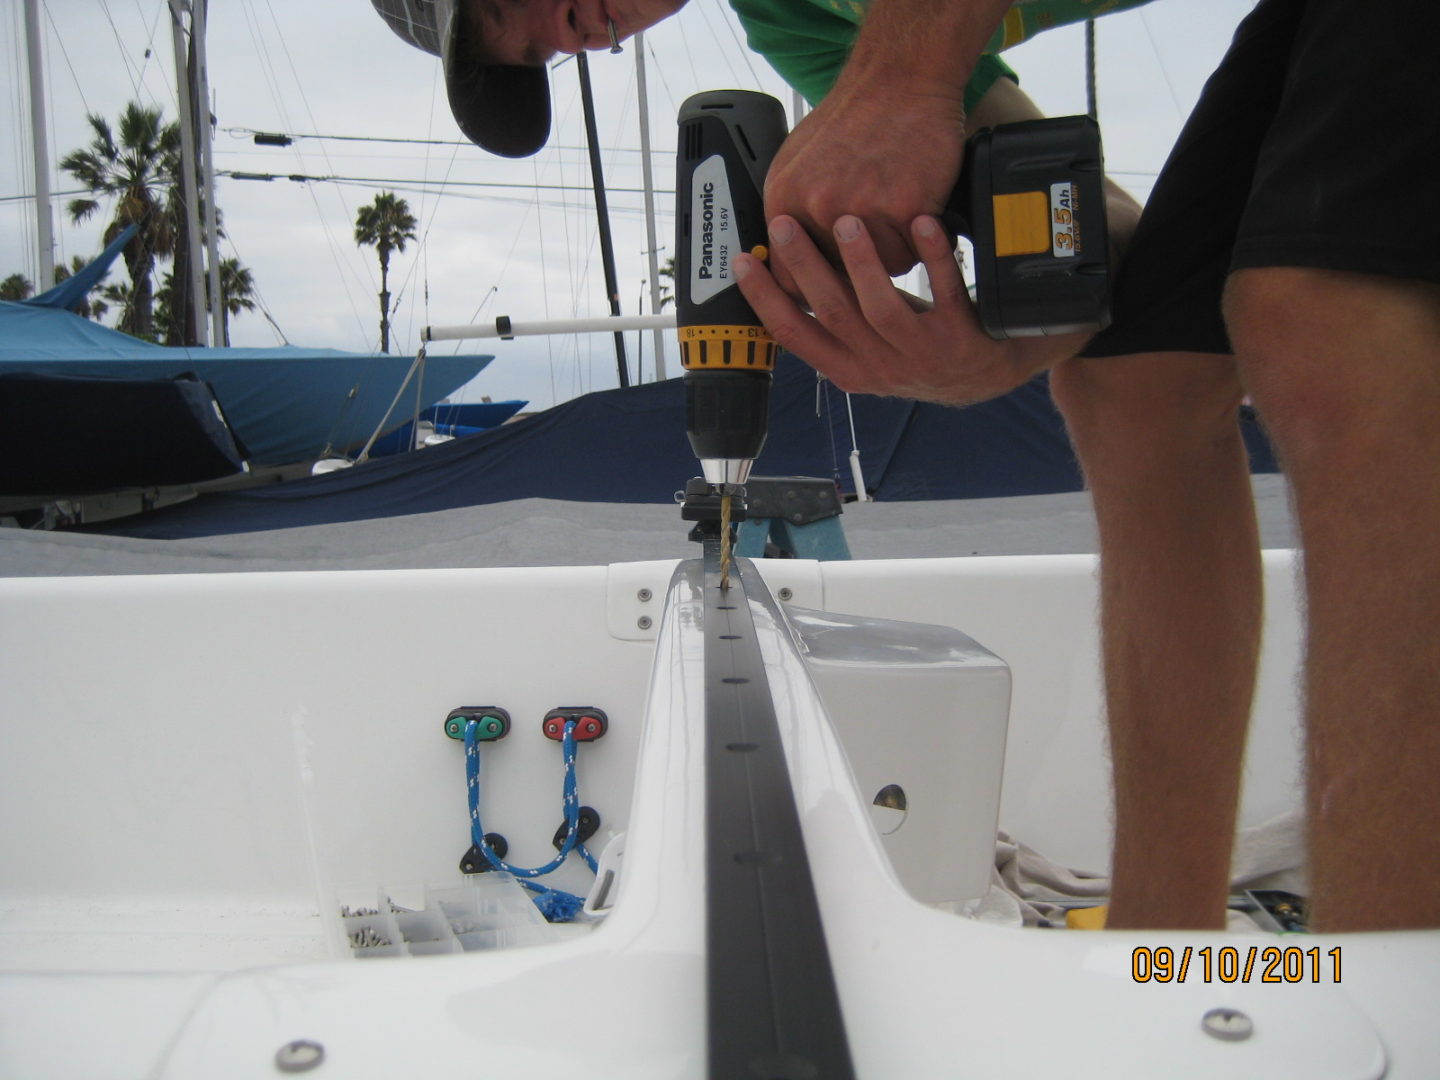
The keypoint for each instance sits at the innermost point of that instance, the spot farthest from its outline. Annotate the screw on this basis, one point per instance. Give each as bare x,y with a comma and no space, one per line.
644,595
643,622
302,1055
785,594
1228,1025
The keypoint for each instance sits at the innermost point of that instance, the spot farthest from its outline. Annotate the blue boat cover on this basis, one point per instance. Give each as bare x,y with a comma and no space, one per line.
77,286
75,435
630,446
286,403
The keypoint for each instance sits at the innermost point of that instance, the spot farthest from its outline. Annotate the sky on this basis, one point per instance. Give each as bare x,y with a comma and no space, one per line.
495,237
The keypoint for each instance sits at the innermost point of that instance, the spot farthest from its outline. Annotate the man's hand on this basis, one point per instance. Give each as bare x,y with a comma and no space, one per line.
867,338
886,157
886,143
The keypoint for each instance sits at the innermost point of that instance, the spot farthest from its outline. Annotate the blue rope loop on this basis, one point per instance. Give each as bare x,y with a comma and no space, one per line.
556,904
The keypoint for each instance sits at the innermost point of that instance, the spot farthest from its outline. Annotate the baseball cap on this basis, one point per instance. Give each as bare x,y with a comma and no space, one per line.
502,108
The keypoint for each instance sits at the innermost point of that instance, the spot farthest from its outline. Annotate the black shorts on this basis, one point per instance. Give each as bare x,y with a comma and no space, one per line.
1316,143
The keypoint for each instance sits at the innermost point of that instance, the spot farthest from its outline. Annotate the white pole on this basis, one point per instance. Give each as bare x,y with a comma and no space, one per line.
195,266
503,327
652,251
207,162
856,475
44,227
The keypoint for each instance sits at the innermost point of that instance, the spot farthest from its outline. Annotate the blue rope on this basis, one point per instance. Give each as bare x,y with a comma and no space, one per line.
556,904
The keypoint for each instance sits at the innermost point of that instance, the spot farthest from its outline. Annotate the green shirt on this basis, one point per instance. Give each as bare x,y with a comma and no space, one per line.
807,41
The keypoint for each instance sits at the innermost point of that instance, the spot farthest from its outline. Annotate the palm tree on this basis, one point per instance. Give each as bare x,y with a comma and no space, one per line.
237,291
386,224
118,295
90,307
237,294
16,287
134,172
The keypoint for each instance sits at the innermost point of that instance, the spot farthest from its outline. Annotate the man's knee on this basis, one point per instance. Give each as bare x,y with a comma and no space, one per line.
1326,352
1146,397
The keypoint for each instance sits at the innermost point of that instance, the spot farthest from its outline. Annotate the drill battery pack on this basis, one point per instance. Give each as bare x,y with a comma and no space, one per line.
1031,198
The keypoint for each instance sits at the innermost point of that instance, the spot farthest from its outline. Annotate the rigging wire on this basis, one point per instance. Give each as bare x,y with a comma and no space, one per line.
1160,61
150,47
124,54
238,174
346,266
255,292
421,244
728,19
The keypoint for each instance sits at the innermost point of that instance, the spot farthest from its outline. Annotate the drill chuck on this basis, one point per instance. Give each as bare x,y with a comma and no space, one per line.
727,414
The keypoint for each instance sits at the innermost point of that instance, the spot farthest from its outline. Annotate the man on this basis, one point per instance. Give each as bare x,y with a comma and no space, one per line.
1276,258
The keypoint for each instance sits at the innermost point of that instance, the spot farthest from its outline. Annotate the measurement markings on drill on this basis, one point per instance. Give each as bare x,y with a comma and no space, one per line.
773,1006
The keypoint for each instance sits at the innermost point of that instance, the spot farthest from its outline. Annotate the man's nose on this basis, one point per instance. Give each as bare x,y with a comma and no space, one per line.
565,30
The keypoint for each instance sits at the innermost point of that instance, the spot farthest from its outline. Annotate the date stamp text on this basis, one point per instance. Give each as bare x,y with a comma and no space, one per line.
1229,964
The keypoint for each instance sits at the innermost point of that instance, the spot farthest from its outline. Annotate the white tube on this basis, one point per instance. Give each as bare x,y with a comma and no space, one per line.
504,328
858,477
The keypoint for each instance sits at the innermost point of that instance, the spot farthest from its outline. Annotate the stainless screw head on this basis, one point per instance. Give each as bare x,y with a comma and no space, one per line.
785,594
643,622
644,595
302,1055
1228,1025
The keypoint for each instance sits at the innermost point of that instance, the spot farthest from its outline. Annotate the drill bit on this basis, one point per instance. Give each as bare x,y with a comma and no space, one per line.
724,542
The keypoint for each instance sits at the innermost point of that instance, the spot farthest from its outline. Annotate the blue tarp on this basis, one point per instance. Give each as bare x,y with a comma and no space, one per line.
285,403
75,435
630,446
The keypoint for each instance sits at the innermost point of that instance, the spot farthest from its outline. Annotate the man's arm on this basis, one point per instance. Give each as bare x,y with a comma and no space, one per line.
867,337
886,143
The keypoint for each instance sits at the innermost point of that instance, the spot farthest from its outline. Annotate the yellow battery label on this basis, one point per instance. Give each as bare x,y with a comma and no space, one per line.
748,348
1022,223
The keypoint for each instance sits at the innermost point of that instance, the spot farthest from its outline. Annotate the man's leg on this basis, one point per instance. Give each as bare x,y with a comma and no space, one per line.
1345,371
1160,445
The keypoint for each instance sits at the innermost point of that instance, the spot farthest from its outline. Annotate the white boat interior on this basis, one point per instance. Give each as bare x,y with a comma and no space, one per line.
234,819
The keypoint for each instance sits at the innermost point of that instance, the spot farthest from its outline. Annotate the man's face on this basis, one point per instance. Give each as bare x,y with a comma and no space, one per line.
530,32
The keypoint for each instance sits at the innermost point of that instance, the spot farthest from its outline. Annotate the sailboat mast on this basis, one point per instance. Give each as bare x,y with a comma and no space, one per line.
44,227
195,267
652,251
207,162
602,212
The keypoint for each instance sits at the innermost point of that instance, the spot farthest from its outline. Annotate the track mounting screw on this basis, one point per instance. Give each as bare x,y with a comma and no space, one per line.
1228,1025
302,1055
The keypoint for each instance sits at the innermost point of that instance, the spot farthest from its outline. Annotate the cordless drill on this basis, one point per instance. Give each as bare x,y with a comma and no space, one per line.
1030,197
727,141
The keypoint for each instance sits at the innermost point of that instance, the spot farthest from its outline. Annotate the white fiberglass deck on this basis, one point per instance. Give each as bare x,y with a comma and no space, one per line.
199,770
